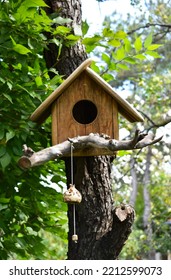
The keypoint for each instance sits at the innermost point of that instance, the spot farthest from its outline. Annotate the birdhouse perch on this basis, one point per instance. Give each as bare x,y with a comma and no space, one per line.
84,103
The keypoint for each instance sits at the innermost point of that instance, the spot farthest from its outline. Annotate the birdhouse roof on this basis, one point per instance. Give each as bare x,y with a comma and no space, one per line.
124,107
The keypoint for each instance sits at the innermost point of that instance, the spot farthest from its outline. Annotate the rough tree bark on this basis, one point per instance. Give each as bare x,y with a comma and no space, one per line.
102,231
134,183
147,207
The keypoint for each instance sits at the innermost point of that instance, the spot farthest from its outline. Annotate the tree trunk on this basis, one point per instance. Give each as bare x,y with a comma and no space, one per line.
102,229
147,207
134,183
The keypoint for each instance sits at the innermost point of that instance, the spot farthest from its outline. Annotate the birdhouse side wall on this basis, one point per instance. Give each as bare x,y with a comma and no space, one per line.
64,124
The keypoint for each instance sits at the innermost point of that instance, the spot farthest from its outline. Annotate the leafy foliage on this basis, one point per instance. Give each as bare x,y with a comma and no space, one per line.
29,207
120,51
134,57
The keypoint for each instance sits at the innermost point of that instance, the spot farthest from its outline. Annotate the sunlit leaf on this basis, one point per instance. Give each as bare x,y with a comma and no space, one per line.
63,30
130,60
120,34
38,81
72,37
127,45
140,56
153,47
108,77
114,43
153,54
21,49
106,57
120,53
122,66
148,40
107,32
138,44
34,3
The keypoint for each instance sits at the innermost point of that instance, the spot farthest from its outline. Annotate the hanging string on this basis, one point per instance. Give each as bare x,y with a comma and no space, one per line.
74,223
72,168
74,236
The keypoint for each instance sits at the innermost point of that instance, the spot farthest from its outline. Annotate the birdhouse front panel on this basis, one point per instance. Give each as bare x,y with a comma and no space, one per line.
84,107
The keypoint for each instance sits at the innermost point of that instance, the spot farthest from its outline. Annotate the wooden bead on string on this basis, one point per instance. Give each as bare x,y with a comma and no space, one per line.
75,238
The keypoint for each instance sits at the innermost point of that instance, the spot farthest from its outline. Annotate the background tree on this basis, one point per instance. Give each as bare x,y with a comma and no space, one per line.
146,80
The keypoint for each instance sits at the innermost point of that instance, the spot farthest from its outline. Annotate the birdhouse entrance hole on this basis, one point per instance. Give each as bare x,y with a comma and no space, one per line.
84,111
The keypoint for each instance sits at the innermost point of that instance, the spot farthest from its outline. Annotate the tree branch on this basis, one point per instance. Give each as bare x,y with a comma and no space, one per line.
163,122
100,142
168,26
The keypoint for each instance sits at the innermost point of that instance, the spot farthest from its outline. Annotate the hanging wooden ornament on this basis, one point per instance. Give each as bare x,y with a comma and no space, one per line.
72,196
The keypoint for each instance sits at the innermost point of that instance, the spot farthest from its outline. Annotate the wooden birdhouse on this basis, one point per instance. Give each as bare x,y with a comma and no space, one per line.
84,103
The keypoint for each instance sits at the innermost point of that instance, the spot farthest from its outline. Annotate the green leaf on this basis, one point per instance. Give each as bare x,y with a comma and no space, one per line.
9,85
85,27
7,96
55,41
9,135
4,200
2,80
72,37
106,58
108,77
38,81
56,179
123,153
5,160
122,66
21,49
148,40
34,3
120,53
91,40
153,47
95,67
107,32
63,30
17,198
153,54
127,45
114,43
55,80
120,34
130,60
2,151
13,42
138,44
140,56
2,207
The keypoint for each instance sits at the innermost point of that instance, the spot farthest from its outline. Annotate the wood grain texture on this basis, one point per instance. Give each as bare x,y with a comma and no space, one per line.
126,109
37,115
83,88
